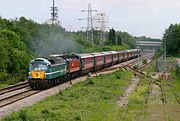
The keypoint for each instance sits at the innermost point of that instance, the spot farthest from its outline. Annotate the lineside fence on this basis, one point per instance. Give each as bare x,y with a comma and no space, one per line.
163,66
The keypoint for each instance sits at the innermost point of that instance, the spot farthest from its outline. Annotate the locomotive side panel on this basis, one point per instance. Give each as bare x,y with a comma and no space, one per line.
56,71
74,65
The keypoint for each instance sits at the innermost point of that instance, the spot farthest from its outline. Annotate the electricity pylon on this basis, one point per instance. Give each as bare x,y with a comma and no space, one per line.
102,27
89,28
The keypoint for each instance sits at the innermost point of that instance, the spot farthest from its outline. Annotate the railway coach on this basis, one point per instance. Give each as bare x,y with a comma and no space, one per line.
99,61
87,63
108,59
115,57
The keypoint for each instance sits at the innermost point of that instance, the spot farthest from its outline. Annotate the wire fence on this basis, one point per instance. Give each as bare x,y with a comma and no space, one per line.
163,66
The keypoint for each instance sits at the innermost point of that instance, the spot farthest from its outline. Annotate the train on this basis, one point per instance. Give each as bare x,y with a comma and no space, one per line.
46,72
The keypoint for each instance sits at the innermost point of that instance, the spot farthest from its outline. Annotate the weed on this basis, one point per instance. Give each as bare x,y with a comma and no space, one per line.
77,118
23,116
45,112
90,82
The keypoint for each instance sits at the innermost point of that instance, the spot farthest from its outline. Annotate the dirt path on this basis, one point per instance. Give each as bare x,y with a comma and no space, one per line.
123,100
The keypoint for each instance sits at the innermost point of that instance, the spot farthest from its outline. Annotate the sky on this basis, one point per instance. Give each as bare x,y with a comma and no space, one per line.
138,17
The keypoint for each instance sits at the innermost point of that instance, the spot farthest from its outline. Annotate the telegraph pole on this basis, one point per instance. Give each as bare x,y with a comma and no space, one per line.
89,28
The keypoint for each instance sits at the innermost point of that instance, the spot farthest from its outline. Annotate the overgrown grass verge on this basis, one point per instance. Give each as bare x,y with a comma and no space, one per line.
176,78
151,68
92,100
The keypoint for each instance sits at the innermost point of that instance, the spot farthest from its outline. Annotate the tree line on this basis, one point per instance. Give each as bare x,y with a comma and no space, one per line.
22,39
171,39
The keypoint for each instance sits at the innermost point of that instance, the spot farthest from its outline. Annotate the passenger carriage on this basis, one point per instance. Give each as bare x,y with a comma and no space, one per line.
87,63
115,57
99,60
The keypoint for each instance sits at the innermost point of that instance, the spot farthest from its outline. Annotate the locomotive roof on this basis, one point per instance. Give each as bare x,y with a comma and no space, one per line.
84,55
41,60
55,60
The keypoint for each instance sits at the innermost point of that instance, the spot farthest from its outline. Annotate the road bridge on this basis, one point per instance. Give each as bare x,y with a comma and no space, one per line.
149,44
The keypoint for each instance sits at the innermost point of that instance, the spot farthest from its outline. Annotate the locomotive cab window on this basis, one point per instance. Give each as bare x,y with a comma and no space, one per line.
38,66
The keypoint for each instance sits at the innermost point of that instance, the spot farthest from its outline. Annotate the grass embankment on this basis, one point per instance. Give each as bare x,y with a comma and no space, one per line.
92,100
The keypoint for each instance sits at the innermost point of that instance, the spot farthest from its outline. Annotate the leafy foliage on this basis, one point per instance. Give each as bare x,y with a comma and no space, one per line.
94,99
14,52
112,36
172,39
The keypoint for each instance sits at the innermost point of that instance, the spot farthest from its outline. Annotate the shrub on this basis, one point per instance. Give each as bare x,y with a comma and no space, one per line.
144,61
23,115
135,67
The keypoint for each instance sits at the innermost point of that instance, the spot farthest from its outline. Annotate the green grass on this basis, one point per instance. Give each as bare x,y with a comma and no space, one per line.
3,85
151,68
92,100
11,80
176,78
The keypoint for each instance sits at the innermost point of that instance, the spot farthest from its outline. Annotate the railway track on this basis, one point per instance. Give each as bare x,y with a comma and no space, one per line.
148,92
18,92
158,82
138,72
16,97
14,87
15,93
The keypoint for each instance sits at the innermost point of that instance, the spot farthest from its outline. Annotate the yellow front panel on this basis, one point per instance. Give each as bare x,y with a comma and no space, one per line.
37,74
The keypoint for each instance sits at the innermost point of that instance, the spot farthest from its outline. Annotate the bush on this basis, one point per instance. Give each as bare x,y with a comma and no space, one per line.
135,67
23,115
144,61
3,76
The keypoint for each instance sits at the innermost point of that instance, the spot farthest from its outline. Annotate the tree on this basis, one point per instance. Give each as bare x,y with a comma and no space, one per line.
4,59
14,52
119,40
172,39
112,36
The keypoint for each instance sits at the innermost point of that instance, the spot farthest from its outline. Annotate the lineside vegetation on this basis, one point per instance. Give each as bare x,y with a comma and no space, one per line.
92,100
